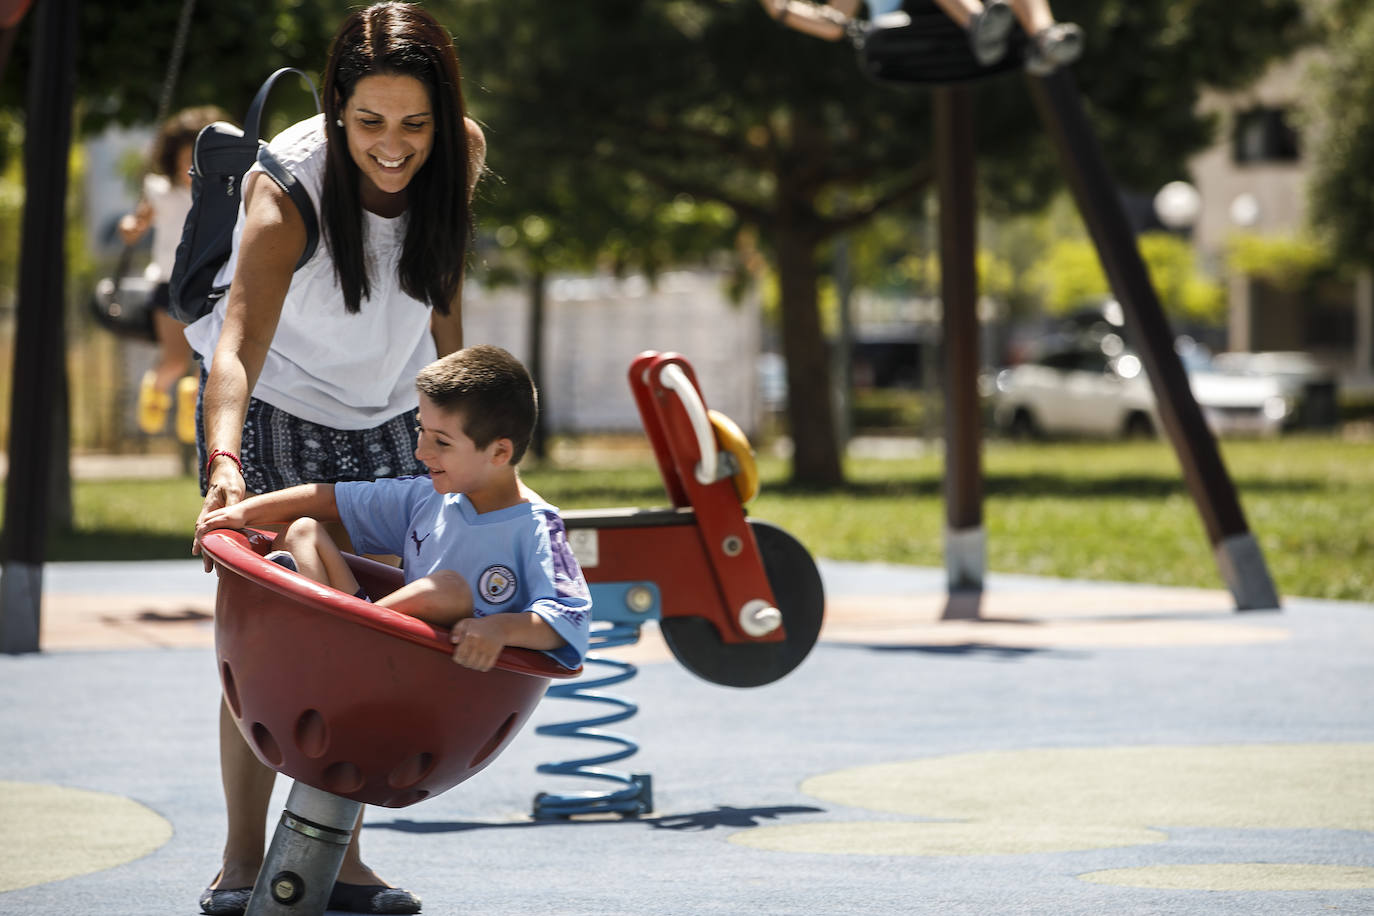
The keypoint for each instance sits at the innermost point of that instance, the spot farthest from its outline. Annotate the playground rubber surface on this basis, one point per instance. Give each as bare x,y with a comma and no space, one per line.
1045,746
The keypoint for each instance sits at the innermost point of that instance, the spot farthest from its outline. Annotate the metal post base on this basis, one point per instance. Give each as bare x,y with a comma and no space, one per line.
306,852
1242,566
21,595
965,558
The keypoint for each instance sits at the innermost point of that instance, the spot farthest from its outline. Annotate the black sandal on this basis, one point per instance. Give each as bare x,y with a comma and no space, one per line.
227,901
373,898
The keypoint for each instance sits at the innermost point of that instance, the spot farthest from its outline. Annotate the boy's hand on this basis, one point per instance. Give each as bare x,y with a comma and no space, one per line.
477,642
226,517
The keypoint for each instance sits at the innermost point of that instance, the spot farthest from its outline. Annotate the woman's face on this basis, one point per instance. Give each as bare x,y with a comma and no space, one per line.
389,122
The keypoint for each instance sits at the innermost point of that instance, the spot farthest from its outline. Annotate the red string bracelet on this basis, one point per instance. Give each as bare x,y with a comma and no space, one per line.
227,454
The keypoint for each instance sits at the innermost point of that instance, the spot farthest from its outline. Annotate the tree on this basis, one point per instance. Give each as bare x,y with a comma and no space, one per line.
1342,191
710,98
1071,277
232,45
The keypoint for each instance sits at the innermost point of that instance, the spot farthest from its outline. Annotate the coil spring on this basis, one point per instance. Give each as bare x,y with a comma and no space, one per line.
635,795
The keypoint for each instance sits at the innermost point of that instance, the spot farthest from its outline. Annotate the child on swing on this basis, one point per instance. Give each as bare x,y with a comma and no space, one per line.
481,553
987,22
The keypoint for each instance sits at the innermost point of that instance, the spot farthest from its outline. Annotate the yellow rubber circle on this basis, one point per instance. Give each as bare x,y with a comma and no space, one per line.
733,440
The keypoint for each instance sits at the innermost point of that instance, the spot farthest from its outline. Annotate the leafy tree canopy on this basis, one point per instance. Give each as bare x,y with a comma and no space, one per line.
123,49
1342,190
1071,276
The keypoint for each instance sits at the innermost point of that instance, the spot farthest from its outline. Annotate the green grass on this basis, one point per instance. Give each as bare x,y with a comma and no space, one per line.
129,520
1108,511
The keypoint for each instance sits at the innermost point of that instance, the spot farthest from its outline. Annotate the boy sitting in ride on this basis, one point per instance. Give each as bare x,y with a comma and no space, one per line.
481,552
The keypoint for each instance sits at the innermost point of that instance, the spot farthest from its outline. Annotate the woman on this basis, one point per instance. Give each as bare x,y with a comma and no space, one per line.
311,372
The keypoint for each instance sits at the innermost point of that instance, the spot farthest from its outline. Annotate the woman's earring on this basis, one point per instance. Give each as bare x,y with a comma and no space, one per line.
339,121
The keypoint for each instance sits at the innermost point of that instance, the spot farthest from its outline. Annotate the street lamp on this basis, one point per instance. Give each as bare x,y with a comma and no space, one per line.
1177,205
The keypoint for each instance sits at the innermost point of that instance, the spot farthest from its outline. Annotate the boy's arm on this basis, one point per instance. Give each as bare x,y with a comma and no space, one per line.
479,640
315,500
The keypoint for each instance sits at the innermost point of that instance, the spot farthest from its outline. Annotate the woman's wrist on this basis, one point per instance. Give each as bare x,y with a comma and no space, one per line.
222,453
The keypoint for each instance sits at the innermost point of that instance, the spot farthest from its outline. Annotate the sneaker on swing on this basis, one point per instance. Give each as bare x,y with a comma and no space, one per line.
153,405
988,30
1053,47
187,390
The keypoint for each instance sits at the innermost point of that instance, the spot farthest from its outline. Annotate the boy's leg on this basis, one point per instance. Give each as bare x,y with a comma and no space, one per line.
1034,15
174,352
961,11
317,556
442,598
987,24
1052,44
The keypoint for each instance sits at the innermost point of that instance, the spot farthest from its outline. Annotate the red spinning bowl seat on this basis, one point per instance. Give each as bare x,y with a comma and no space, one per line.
352,698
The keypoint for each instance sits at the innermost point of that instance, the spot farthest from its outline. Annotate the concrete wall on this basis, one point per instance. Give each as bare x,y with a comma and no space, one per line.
595,325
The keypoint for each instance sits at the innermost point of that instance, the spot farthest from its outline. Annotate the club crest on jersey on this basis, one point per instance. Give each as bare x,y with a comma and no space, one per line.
497,585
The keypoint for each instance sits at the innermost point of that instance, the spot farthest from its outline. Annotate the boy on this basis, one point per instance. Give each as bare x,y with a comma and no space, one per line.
481,552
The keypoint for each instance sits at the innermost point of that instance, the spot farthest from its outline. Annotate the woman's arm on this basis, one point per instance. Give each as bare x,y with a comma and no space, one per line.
447,330
272,242
477,155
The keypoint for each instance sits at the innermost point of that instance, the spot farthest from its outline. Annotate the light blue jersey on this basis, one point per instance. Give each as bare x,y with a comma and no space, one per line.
515,559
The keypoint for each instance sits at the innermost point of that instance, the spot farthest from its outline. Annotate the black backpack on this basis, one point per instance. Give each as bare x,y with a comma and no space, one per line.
223,154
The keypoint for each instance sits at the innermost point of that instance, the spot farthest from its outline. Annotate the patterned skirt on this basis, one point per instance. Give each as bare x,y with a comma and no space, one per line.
280,450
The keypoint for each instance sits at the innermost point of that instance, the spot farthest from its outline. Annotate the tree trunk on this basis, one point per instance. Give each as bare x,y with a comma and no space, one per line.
815,456
539,441
39,329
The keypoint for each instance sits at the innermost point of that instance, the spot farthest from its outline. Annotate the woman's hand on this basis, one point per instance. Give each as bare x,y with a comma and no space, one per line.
226,488
228,517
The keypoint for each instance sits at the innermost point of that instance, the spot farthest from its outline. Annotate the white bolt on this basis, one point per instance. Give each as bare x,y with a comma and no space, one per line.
639,599
759,618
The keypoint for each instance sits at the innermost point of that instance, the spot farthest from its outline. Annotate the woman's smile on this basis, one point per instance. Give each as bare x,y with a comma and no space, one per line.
389,123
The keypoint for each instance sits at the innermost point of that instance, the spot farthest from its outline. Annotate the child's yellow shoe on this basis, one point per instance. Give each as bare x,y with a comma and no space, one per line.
187,389
152,405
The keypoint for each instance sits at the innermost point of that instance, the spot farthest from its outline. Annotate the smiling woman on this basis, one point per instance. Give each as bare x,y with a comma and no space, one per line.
310,371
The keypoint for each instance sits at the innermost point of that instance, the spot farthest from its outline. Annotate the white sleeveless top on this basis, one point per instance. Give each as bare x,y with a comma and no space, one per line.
170,204
325,365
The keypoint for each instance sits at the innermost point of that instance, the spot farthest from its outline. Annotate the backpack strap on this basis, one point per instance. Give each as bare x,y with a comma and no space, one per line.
254,117
278,172
288,183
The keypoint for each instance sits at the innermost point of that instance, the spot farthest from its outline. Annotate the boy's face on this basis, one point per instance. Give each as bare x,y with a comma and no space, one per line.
455,463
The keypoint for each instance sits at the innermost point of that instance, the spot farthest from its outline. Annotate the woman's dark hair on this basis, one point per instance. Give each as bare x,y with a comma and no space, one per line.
398,39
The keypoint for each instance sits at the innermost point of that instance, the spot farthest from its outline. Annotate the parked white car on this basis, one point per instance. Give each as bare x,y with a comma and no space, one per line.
1077,392
1103,391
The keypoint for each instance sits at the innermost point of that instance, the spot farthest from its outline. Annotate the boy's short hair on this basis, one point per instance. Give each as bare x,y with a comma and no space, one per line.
490,391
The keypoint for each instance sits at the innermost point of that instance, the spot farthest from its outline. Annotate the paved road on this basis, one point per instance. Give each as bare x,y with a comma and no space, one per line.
1054,747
